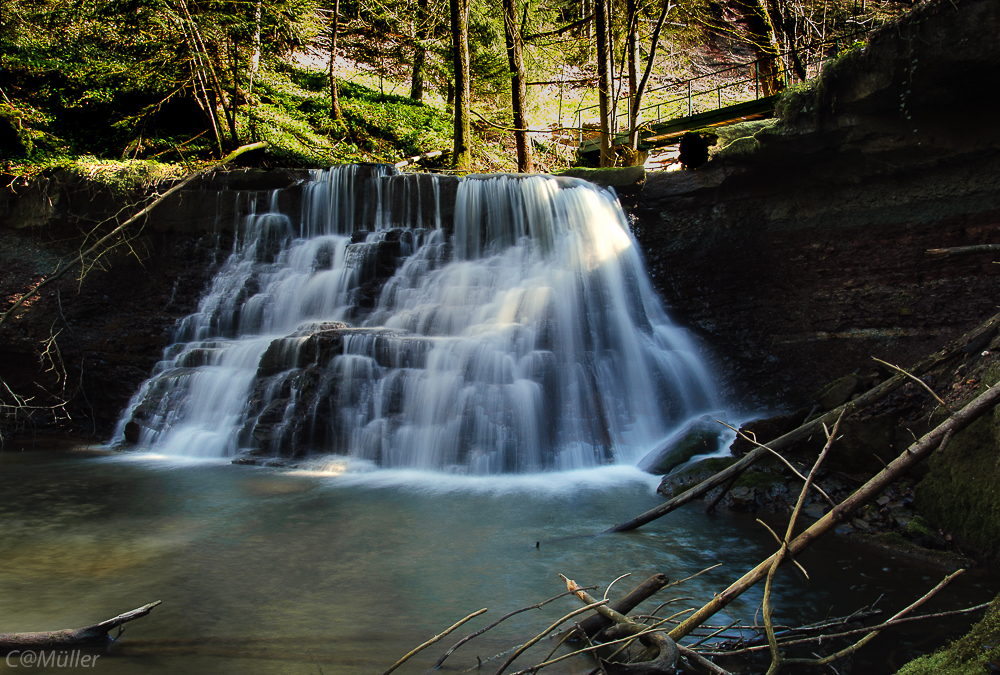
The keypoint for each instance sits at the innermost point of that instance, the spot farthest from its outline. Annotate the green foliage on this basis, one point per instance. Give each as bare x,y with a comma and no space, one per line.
294,115
125,176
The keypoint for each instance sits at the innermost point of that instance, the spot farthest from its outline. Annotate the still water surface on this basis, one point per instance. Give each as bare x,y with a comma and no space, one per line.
308,571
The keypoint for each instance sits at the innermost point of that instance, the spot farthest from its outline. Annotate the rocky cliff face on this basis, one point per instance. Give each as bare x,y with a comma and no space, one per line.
80,350
798,253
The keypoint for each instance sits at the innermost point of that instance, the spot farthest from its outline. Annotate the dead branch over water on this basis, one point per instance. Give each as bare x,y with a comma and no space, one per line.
610,632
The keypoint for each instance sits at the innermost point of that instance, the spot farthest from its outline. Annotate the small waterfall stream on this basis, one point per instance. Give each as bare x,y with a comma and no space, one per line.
518,333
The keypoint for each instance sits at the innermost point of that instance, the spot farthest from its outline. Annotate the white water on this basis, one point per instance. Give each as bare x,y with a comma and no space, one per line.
528,338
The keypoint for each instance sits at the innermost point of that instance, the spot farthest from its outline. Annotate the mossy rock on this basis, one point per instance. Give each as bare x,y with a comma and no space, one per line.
700,437
866,445
838,392
691,475
622,179
961,491
975,654
758,479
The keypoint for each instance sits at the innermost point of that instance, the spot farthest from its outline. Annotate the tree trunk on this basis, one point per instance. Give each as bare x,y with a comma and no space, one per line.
633,121
334,87
764,40
419,53
462,154
255,56
517,87
632,48
604,80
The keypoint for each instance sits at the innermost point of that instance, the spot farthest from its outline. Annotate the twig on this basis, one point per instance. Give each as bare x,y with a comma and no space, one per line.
918,381
520,650
962,250
777,660
81,257
855,631
608,589
778,455
497,623
910,457
847,651
434,639
982,332
699,660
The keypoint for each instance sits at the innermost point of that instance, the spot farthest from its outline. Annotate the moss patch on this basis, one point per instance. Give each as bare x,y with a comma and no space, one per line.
961,491
970,655
758,479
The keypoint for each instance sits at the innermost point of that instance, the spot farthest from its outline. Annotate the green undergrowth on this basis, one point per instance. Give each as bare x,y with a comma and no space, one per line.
969,655
290,109
294,114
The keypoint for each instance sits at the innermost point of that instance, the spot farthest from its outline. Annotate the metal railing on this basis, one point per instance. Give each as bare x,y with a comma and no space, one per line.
745,85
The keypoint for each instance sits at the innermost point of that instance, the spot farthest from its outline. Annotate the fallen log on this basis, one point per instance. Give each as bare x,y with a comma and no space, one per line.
962,250
88,636
593,625
665,646
867,492
971,341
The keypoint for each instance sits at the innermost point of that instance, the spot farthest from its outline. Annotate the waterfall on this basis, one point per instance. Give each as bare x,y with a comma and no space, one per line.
488,324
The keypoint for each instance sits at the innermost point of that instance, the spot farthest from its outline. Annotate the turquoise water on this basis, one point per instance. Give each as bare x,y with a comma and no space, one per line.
343,569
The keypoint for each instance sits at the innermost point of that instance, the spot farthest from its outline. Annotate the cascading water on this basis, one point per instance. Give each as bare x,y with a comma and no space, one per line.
519,334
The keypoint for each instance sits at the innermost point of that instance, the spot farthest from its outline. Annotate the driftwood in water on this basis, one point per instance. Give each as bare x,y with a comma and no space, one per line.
594,624
937,438
88,636
971,341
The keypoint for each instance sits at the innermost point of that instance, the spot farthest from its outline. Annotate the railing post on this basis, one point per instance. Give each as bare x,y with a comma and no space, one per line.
689,98
756,79
718,91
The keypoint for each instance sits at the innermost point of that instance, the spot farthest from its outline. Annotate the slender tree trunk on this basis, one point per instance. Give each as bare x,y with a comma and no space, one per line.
419,53
633,122
604,80
255,56
334,86
517,87
632,47
462,153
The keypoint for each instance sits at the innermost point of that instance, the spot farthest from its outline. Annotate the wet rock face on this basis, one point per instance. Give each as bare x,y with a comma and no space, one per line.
800,261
